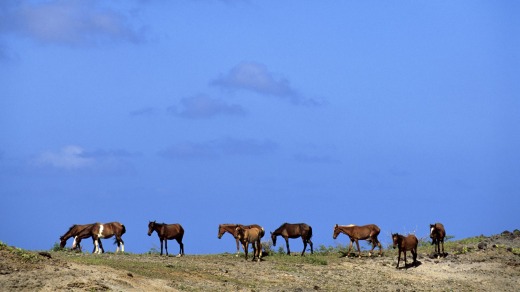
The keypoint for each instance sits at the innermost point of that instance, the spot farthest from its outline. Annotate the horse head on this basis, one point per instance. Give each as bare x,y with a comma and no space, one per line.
151,226
336,232
273,239
63,241
395,238
221,231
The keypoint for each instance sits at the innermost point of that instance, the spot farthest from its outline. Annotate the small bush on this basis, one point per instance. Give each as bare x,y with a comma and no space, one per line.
57,247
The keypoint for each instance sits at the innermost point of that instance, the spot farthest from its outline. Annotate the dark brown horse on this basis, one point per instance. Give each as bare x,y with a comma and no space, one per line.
437,234
166,232
408,243
253,236
288,230
356,233
78,232
106,230
230,228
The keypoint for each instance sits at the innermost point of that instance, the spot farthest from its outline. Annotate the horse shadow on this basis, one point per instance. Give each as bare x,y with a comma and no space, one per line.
410,265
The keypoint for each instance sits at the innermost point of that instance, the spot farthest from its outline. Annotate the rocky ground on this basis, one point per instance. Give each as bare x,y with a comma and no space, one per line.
476,264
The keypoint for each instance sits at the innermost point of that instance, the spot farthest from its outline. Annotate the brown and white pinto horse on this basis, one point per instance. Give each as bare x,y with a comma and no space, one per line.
437,234
230,228
253,236
288,230
355,233
106,230
408,243
166,232
78,232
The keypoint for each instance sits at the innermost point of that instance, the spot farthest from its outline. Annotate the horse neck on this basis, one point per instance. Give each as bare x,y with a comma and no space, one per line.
280,230
73,231
230,228
346,229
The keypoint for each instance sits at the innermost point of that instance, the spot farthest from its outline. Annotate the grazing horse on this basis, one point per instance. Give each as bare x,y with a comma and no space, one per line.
404,244
166,232
288,230
230,228
253,236
437,234
77,231
106,230
356,233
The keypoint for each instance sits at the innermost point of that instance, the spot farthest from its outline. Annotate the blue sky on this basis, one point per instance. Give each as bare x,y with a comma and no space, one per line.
398,113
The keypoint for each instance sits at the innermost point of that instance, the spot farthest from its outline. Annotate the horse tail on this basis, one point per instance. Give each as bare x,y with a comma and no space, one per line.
123,230
310,232
262,232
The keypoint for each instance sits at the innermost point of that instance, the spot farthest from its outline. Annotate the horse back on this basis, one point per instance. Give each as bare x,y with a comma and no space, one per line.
410,242
440,229
172,231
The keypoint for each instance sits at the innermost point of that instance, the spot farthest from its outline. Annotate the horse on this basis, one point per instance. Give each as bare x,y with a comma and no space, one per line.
437,234
404,244
230,228
356,233
75,231
253,236
166,232
106,230
288,230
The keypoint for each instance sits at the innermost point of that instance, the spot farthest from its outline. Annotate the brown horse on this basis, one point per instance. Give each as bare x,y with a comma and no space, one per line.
408,243
106,230
288,230
356,233
166,232
253,236
437,234
230,228
77,231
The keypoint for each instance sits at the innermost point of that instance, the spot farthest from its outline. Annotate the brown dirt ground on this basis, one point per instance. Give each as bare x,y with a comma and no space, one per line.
494,267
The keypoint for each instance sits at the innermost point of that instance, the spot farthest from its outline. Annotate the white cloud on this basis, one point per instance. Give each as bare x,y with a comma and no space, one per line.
77,22
256,77
69,157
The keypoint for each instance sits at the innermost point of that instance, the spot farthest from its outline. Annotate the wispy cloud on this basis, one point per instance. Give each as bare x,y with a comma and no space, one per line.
321,159
256,77
69,157
73,157
146,111
202,106
79,22
218,148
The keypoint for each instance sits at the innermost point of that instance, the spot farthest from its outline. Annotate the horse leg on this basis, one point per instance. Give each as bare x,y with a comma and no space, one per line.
414,255
349,247
380,247
101,246
166,245
359,250
404,257
246,247
96,245
304,246
181,247
287,244
310,243
399,258
258,250
122,245
161,245
442,242
238,247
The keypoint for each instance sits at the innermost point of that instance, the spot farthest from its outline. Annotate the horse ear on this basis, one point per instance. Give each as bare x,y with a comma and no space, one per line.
336,226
